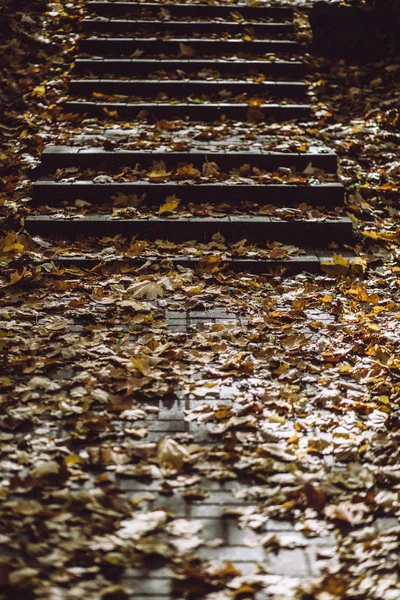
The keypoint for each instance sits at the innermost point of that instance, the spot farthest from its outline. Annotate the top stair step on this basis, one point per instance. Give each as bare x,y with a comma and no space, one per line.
192,10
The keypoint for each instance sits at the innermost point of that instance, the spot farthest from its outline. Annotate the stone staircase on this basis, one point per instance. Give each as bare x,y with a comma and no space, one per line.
172,66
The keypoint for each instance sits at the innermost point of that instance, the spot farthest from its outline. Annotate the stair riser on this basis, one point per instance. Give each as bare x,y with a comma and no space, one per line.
266,30
282,195
195,112
263,230
130,67
85,88
292,266
225,162
117,9
154,47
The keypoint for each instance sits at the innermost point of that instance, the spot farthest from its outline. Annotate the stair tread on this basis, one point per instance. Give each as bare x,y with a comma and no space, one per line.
155,103
182,82
293,264
218,184
170,22
201,220
58,156
192,61
189,40
63,149
182,6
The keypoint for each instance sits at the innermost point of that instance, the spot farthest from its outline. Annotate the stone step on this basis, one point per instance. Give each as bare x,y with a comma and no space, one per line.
198,112
295,90
304,233
310,262
141,66
324,194
153,46
192,10
55,157
127,26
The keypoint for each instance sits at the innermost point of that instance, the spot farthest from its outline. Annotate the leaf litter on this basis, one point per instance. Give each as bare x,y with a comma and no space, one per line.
299,404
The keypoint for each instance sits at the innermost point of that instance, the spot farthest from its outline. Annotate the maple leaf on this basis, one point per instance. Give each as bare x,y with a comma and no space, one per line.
171,203
359,293
146,289
337,266
158,171
187,172
10,243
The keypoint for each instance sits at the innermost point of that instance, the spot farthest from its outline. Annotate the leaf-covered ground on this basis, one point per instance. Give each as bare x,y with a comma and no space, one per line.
135,399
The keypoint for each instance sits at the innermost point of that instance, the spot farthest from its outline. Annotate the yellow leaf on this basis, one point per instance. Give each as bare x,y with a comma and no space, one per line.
10,244
188,171
172,202
194,291
141,364
112,114
384,399
359,265
39,91
337,266
359,293
158,171
73,459
210,264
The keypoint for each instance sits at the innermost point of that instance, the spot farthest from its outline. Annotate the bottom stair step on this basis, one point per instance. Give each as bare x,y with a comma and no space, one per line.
311,261
292,265
301,233
200,112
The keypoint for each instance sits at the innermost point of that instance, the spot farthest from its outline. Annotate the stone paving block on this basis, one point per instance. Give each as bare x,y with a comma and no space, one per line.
236,554
149,586
238,536
211,510
289,562
156,573
273,525
134,596
385,523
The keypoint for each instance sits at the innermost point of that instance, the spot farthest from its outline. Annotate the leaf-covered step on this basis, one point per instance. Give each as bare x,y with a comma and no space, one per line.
278,69
323,194
295,90
127,26
195,111
185,47
259,229
292,265
192,10
55,157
